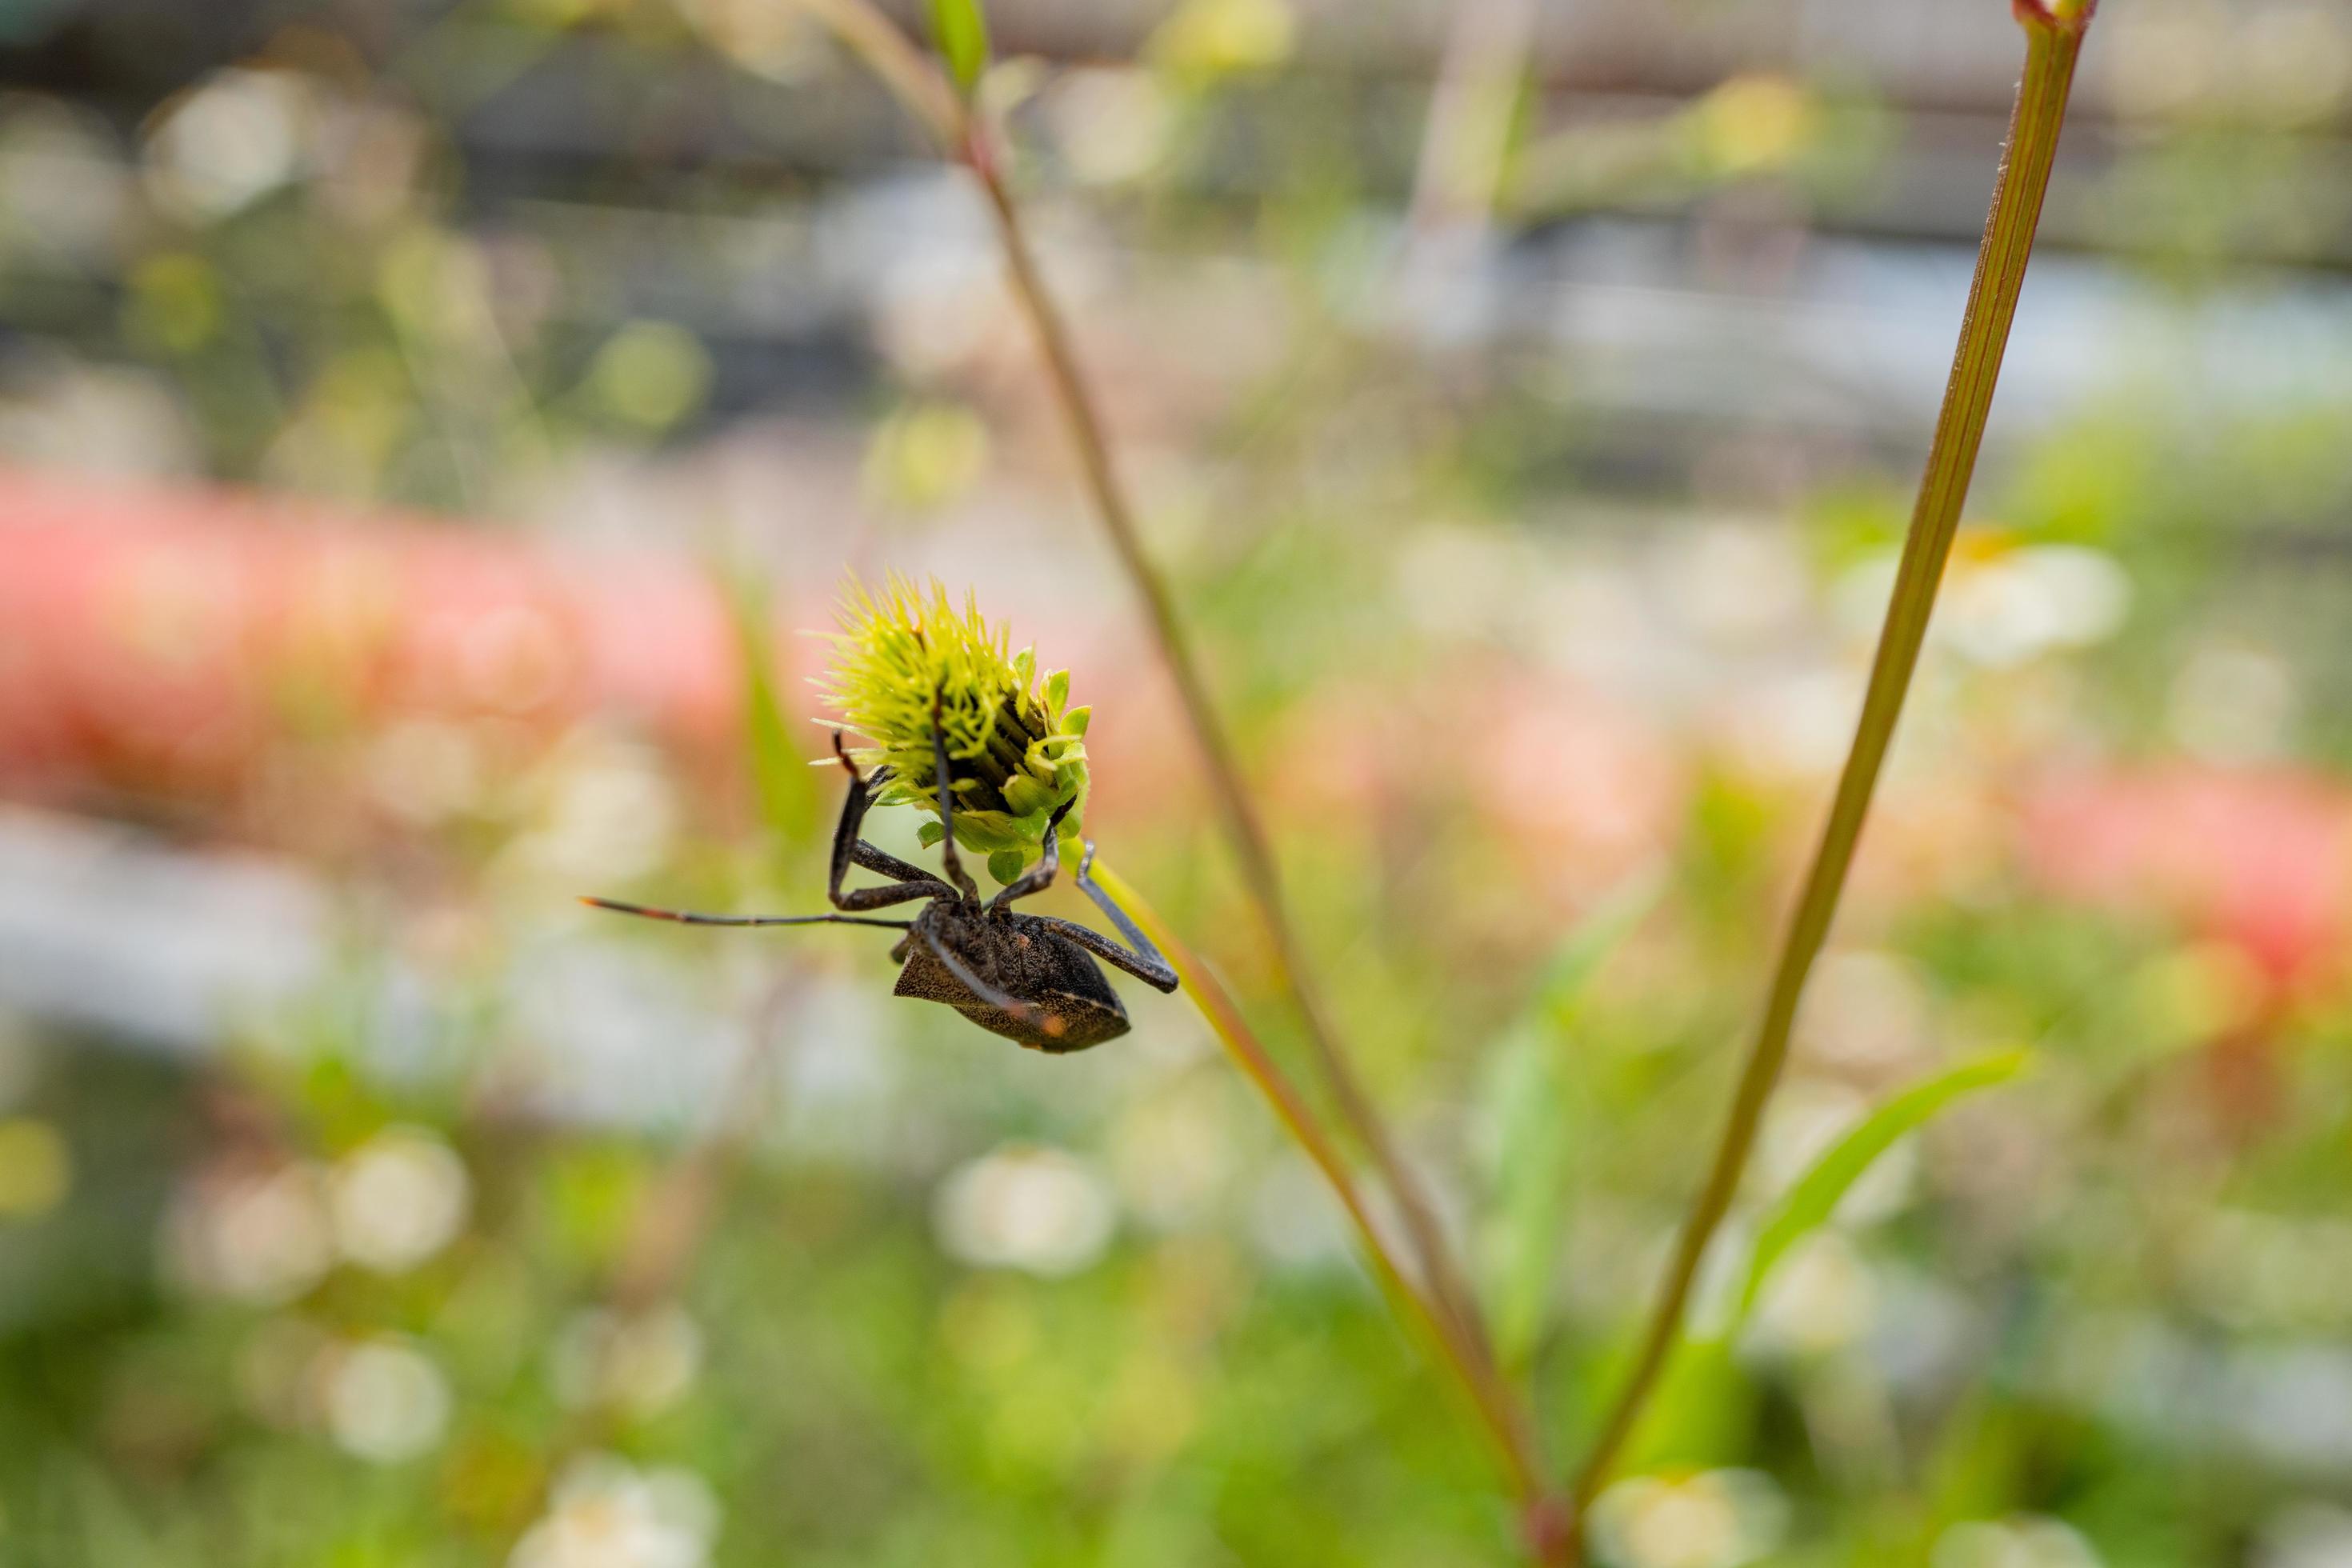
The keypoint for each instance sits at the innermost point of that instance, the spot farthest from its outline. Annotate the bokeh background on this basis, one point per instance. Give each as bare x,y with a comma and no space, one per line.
426,430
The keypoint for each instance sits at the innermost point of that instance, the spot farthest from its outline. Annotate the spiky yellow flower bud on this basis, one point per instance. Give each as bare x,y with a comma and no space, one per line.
1014,752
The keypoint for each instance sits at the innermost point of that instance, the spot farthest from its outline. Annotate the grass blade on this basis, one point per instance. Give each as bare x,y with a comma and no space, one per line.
1815,1196
1530,1122
960,29
781,780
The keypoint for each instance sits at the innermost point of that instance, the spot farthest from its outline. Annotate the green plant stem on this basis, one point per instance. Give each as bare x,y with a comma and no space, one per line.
1498,1414
919,85
2054,40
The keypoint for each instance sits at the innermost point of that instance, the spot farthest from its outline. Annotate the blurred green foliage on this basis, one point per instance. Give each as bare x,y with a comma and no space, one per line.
1541,686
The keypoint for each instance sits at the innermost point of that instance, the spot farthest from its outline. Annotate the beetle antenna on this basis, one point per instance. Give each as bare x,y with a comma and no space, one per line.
692,918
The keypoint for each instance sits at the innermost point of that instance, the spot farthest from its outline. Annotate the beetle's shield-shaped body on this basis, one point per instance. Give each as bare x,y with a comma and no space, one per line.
1073,1005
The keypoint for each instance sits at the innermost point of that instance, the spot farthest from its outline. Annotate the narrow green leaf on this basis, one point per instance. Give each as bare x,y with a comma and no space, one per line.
1815,1195
961,30
780,778
1596,936
1528,1109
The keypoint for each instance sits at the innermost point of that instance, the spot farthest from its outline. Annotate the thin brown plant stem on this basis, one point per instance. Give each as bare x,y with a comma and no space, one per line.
2054,40
1499,1414
1259,872
919,85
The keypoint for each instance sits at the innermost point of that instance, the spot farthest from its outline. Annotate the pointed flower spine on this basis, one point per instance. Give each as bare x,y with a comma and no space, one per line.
1015,753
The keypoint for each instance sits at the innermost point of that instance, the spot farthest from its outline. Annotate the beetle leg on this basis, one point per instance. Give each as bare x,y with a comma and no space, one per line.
1003,1001
1144,962
1040,877
912,881
945,783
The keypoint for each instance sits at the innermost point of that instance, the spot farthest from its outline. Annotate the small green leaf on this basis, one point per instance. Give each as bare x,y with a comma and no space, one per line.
1004,865
929,833
780,773
1528,1111
960,31
1815,1195
1606,925
1076,722
1702,1416
1057,694
1024,796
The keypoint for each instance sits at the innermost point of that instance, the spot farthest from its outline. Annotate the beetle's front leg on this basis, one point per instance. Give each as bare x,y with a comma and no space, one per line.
911,881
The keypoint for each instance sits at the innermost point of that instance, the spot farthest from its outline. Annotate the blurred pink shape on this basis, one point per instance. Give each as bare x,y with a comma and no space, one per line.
159,641
2257,859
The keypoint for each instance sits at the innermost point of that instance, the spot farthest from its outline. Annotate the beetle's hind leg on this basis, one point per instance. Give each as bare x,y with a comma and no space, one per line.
1144,962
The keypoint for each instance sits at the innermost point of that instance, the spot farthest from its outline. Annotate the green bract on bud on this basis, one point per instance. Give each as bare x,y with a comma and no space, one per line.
1016,750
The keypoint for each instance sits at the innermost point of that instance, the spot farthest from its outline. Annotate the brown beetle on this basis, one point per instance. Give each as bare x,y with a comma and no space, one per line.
1031,978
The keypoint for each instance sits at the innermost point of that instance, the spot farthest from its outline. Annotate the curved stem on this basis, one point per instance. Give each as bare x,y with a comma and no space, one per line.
2054,39
1498,1414
1260,875
918,84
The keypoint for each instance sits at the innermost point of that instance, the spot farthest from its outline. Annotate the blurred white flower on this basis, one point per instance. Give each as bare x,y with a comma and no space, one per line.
398,1199
1733,583
426,771
61,181
256,1237
610,816
1038,1209
2006,608
385,1400
2306,1535
1294,1220
641,1364
1111,125
2232,704
235,139
2295,62
605,1513
2030,601
1808,1117
1450,576
782,42
1797,721
1717,1518
1172,1154
2028,1541
1820,1297
1865,1009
